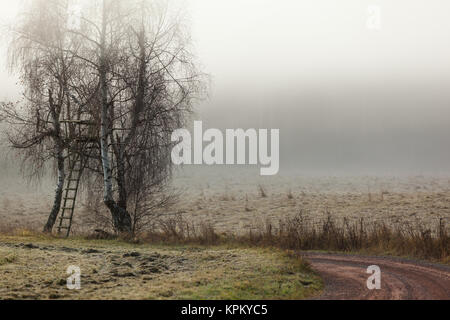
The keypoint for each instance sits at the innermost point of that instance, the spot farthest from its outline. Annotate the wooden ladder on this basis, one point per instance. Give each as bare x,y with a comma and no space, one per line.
70,194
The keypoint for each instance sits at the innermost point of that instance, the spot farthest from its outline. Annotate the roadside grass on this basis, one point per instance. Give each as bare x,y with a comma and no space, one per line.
35,268
289,278
298,233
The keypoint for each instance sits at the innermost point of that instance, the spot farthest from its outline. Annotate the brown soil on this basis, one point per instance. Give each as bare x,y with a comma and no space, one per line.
345,278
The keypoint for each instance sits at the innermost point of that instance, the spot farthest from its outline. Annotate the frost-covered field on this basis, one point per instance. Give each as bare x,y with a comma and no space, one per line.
232,199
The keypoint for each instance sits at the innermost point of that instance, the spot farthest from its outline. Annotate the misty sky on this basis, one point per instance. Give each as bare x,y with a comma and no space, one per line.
346,98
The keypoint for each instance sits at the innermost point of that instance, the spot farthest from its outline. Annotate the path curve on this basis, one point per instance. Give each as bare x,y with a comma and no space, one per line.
345,278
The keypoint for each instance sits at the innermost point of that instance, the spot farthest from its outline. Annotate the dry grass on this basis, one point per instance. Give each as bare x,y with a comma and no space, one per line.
400,216
34,267
394,207
290,196
262,191
177,230
182,260
6,258
300,233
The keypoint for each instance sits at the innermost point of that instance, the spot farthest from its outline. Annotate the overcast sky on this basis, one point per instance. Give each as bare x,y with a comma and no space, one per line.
346,97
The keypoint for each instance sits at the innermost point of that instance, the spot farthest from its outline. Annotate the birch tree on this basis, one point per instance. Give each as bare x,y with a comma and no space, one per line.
148,83
127,67
38,53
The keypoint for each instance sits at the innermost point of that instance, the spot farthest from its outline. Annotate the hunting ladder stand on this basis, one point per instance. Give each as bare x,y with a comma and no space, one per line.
78,153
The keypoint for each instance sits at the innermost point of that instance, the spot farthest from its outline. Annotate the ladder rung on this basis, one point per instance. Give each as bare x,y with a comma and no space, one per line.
71,189
68,208
61,227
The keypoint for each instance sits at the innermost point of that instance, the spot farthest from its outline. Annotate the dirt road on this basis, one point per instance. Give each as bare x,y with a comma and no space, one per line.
346,278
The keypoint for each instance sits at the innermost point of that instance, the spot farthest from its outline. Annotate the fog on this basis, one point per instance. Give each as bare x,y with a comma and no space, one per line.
346,98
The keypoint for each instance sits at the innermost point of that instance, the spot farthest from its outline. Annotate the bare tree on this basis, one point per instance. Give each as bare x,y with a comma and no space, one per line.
127,68
148,82
38,53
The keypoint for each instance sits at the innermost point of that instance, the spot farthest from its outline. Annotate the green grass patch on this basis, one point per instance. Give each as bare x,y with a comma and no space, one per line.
115,269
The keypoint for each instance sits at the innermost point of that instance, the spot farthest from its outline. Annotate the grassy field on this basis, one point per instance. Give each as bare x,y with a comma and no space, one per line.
34,267
234,203
237,224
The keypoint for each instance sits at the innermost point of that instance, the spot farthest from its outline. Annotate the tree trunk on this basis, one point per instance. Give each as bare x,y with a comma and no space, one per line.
121,183
55,112
58,196
121,218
